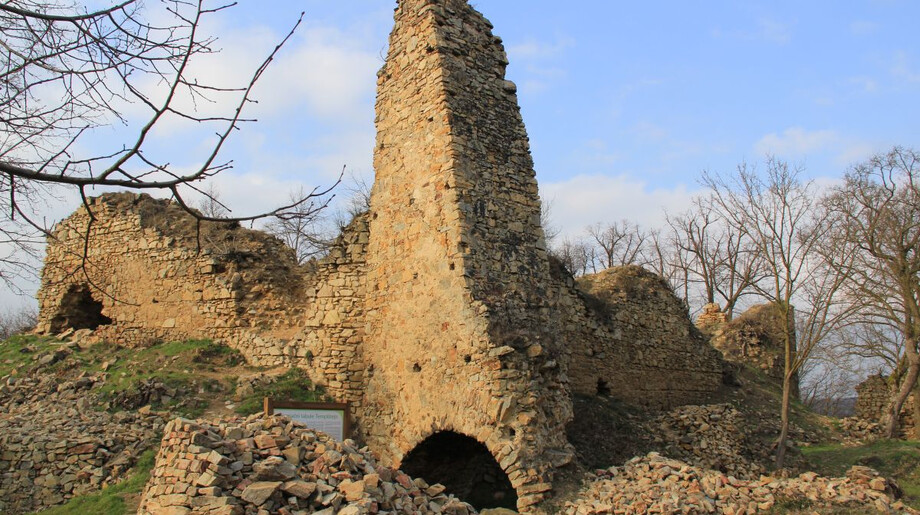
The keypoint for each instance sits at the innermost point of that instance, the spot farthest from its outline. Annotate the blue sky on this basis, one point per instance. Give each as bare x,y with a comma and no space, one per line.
625,102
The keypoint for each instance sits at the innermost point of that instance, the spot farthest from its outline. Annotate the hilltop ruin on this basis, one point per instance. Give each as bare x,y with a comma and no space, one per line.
438,314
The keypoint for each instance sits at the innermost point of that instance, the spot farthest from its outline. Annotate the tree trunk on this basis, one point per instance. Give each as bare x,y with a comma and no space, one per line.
784,422
907,386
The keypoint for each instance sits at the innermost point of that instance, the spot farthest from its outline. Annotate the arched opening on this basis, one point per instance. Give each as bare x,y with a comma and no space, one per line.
465,467
78,310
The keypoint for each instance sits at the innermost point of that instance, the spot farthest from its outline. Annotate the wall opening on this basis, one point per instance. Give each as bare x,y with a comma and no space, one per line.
465,467
603,389
78,310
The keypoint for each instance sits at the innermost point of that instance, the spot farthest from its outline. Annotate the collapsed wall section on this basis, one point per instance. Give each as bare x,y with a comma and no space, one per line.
144,271
631,338
457,330
756,338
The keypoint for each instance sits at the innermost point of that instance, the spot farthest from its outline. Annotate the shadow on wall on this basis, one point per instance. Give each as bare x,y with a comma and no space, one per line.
78,310
465,467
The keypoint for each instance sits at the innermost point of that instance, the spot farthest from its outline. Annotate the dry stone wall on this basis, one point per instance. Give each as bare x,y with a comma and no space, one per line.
754,338
436,314
631,338
457,323
872,399
255,465
55,445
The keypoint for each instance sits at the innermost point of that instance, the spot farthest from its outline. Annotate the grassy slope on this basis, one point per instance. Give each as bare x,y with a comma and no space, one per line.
203,374
118,499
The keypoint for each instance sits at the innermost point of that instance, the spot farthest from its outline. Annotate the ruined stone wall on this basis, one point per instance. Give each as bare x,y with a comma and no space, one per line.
153,276
631,338
330,342
872,399
456,330
756,338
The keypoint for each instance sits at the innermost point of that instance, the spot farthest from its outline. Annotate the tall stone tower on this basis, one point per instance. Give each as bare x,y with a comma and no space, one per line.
457,324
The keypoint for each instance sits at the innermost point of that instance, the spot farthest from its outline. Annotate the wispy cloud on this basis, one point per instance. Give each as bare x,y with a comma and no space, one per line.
796,141
587,199
863,27
540,62
533,49
904,69
765,29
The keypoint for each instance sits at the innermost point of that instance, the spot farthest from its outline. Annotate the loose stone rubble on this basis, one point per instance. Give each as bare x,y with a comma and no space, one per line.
55,445
710,437
443,291
655,484
259,465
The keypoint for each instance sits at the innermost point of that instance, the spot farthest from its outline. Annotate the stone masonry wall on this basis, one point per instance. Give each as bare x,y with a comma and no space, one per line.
157,278
456,326
754,338
437,311
632,339
872,399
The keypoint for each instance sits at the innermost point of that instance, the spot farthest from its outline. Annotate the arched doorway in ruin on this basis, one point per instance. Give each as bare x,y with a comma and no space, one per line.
78,309
463,465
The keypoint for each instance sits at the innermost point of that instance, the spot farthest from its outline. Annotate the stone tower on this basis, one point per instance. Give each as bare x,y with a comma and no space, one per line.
457,325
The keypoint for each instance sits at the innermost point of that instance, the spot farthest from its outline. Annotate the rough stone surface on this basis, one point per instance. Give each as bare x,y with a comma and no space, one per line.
656,484
54,444
872,399
632,338
754,338
437,311
218,468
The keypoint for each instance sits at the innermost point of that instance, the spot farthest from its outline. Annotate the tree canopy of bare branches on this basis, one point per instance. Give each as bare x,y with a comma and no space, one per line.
67,71
775,209
714,254
875,216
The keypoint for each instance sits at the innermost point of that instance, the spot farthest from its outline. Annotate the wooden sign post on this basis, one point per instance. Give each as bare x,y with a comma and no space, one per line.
332,418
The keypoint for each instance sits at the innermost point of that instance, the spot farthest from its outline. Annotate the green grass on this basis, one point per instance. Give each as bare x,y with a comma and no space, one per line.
293,385
897,459
18,351
111,500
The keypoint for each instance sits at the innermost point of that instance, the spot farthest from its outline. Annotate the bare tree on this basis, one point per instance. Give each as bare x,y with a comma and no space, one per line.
619,243
304,234
13,322
550,230
774,211
661,256
715,254
576,255
67,71
876,215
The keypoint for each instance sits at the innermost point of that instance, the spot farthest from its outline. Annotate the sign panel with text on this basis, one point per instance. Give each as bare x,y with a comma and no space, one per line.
331,418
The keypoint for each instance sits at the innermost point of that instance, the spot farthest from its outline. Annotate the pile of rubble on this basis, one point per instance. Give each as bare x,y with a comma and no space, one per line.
857,430
273,465
708,436
55,444
655,484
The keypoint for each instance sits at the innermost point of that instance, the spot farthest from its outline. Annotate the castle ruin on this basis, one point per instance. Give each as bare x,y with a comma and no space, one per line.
437,315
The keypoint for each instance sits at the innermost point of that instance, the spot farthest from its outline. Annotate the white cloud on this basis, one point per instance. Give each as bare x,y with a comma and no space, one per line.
774,31
587,199
904,69
863,27
532,49
796,141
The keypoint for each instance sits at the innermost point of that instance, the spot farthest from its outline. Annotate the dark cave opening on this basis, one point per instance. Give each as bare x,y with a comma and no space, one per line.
465,467
78,310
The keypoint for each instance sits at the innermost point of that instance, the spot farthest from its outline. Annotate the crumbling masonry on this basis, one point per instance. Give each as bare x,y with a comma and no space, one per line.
438,314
